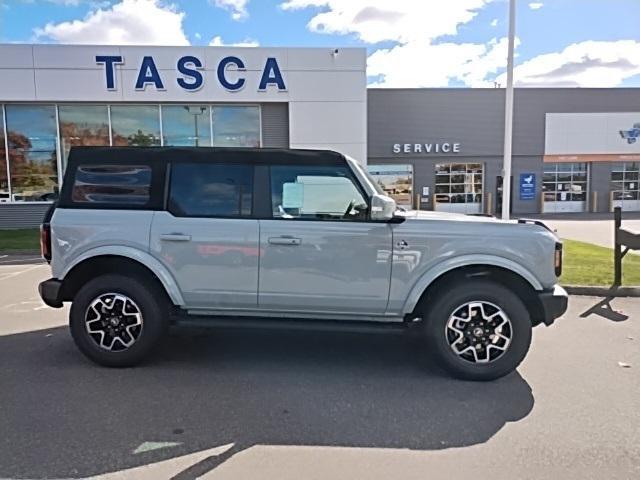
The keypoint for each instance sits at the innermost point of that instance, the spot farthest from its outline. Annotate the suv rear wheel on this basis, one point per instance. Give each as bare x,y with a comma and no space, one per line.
478,330
116,320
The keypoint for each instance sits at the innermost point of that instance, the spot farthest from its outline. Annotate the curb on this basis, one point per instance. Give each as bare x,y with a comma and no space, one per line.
602,291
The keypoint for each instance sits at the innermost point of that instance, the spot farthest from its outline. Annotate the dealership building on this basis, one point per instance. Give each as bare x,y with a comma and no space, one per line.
575,150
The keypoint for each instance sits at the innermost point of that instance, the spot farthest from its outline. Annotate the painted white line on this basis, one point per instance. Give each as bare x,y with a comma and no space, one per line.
13,260
13,274
4,256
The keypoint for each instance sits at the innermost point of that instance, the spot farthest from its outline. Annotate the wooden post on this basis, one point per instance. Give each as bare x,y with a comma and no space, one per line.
488,208
617,250
611,201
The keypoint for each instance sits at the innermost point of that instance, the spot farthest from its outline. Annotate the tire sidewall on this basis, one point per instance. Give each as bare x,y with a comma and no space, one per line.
478,290
154,318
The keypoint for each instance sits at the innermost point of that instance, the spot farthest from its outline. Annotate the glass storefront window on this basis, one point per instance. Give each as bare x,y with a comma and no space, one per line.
564,187
186,125
32,140
82,125
396,181
459,187
235,125
625,185
4,175
135,125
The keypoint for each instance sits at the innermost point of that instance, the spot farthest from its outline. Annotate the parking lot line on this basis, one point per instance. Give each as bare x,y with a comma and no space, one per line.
13,260
13,274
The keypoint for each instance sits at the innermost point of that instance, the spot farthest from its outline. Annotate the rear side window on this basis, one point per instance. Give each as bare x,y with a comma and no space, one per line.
112,185
211,190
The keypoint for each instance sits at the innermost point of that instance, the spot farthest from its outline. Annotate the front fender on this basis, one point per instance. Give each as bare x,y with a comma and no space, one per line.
465,261
160,271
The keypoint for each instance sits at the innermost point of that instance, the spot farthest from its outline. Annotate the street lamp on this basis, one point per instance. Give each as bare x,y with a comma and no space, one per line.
196,112
508,116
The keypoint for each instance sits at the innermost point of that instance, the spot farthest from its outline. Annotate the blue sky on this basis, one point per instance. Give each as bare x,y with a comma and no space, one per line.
411,43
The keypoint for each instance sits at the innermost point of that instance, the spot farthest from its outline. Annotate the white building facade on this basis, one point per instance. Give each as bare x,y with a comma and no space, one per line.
53,97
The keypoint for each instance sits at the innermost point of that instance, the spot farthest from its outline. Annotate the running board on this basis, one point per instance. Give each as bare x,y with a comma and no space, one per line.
304,324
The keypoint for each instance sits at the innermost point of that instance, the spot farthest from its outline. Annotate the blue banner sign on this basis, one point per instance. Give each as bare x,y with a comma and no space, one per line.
527,186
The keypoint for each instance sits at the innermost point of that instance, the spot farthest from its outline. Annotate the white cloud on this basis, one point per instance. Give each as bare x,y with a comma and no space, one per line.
141,22
584,64
494,22
238,8
247,42
418,59
379,20
536,5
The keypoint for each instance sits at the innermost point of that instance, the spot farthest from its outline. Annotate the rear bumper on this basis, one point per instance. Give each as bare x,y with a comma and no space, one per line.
554,303
51,292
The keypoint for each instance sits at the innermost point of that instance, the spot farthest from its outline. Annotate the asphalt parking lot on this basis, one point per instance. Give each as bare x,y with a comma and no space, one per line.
229,404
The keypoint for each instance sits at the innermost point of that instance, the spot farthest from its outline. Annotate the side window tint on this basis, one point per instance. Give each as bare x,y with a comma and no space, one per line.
211,190
112,184
321,193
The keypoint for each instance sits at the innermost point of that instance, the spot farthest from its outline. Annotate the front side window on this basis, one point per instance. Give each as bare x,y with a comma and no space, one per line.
32,140
316,193
235,125
83,125
211,190
135,125
186,125
112,184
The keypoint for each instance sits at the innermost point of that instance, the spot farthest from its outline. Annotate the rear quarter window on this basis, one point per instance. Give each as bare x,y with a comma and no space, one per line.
112,185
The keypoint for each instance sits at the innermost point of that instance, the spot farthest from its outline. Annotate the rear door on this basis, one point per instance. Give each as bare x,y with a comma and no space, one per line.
207,237
319,250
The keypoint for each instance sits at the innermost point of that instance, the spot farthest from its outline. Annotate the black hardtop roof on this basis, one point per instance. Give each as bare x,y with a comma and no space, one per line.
128,155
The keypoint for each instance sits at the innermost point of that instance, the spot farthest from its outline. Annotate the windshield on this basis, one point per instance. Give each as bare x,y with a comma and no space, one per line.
365,174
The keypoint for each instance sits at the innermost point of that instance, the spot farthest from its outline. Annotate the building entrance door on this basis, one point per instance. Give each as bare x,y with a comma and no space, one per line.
396,181
564,186
459,187
499,189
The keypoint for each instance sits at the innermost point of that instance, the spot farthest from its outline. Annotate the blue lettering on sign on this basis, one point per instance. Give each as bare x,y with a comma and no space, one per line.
148,74
184,67
271,75
192,78
222,66
527,186
109,61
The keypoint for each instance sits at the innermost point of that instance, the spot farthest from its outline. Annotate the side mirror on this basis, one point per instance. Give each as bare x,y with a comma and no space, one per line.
382,207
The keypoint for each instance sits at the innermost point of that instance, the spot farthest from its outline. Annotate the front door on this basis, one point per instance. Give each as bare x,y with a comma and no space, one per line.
207,238
319,251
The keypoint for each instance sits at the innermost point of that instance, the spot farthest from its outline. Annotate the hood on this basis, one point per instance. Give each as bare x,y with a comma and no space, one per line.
446,216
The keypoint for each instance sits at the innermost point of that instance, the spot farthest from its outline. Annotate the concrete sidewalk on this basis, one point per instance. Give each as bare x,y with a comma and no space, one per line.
591,228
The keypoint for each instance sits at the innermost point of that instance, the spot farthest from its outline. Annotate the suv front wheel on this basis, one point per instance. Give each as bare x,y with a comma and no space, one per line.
478,330
116,320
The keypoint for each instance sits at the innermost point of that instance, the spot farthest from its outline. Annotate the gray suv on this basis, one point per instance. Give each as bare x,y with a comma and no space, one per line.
145,237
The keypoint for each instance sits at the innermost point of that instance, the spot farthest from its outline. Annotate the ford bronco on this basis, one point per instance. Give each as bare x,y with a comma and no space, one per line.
144,237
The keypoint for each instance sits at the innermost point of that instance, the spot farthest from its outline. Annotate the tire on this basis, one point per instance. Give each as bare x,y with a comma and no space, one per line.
142,330
494,357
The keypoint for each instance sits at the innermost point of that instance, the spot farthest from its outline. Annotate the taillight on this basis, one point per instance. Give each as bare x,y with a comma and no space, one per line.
45,241
557,261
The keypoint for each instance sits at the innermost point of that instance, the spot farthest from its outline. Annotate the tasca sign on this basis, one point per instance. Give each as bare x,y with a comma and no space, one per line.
190,75
426,148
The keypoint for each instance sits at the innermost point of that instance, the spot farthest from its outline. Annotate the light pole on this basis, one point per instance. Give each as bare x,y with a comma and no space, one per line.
508,116
196,112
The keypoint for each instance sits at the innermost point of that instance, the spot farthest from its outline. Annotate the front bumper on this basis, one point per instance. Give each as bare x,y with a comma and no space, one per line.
554,303
51,292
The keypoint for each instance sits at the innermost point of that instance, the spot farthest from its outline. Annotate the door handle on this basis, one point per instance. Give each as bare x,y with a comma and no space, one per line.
175,237
285,241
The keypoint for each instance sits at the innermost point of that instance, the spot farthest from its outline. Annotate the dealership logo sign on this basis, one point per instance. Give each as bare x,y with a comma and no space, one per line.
631,135
190,75
427,148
